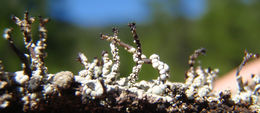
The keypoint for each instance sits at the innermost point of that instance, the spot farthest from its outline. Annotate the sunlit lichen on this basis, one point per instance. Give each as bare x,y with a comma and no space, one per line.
99,88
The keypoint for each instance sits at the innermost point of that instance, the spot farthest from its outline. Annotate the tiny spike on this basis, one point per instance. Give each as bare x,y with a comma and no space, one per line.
115,31
192,60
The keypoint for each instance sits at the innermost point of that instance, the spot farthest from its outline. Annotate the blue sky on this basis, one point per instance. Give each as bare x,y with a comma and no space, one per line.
89,13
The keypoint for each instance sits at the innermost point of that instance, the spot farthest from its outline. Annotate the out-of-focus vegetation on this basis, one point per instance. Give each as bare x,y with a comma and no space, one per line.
227,28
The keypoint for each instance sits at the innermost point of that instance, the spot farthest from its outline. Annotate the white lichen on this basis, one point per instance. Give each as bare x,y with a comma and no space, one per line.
4,100
3,84
99,81
63,79
93,89
163,68
20,77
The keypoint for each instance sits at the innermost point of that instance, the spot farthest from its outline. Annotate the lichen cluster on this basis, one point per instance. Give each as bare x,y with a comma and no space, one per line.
98,87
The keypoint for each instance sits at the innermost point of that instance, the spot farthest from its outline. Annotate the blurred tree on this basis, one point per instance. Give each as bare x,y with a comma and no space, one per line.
226,29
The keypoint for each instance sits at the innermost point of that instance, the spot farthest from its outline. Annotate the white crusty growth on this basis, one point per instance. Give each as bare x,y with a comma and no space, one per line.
63,79
163,68
99,80
245,93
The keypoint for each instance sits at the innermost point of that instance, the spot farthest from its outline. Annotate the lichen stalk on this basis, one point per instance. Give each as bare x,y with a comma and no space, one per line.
97,87
246,58
23,58
136,55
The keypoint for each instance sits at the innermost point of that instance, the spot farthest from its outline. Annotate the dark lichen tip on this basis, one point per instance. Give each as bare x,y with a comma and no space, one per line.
95,57
26,15
200,51
43,21
195,55
115,30
14,18
203,50
132,24
101,35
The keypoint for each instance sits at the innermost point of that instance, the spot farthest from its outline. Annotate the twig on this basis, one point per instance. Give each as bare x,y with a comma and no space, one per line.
127,47
192,59
25,26
21,55
136,40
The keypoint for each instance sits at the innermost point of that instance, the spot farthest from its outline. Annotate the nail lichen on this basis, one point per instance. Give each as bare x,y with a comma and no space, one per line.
98,88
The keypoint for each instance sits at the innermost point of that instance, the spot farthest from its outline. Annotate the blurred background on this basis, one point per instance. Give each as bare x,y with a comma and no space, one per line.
172,29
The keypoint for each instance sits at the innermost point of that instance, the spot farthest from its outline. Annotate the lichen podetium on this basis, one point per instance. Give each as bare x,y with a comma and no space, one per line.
98,88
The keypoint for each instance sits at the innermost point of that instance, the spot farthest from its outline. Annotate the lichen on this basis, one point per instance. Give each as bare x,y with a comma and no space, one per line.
99,87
